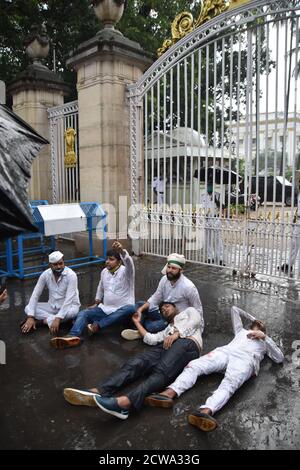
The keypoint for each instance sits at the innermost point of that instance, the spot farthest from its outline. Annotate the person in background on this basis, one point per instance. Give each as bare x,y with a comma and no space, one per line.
159,188
295,243
210,202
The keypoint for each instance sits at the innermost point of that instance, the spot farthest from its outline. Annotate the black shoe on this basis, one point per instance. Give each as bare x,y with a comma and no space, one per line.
110,405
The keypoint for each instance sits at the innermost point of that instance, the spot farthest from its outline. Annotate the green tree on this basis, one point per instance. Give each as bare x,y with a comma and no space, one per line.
70,23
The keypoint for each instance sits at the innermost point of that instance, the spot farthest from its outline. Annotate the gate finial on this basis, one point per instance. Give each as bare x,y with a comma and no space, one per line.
184,23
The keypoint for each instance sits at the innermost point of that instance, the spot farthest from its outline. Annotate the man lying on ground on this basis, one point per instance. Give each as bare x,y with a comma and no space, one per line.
238,360
173,348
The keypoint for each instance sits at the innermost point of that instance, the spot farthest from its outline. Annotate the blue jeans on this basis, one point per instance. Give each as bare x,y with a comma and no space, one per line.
152,320
96,315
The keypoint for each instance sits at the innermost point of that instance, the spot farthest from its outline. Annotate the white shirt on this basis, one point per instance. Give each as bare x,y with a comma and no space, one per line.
62,294
183,293
208,203
188,325
159,185
252,350
117,289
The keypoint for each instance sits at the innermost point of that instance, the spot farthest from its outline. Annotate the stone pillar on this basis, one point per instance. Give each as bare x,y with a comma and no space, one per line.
33,91
105,65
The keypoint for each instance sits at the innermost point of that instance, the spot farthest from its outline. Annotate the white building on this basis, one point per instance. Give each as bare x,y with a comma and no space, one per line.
174,156
269,136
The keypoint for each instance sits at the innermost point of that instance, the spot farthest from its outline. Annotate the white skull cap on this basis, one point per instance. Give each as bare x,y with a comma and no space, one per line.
55,257
174,259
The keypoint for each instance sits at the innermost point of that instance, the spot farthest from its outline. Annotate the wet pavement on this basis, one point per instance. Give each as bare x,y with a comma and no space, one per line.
263,414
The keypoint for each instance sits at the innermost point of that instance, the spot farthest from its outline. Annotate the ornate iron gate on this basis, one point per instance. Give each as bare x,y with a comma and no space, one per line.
65,153
215,141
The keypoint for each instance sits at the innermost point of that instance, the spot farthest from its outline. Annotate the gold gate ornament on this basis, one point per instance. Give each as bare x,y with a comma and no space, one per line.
184,23
70,156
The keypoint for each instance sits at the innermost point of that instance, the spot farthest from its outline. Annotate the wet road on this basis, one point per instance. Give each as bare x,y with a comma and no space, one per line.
264,413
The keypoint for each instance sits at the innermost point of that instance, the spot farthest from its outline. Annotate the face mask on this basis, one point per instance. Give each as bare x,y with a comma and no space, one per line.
58,271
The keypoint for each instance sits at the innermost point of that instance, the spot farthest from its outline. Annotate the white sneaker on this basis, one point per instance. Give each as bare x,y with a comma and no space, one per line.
130,335
80,397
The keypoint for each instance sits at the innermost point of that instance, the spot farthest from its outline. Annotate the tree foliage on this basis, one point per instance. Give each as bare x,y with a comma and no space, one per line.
70,23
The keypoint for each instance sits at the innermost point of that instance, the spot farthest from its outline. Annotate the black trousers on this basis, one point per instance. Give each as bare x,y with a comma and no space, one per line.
160,368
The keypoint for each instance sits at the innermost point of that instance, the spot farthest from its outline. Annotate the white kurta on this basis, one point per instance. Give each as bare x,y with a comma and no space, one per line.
213,238
239,360
117,289
63,300
159,186
183,293
296,237
187,323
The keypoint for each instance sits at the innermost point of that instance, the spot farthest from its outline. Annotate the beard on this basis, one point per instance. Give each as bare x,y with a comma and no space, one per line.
173,277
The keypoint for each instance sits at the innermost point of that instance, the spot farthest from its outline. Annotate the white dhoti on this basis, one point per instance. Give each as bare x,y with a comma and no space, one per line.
46,313
237,371
160,198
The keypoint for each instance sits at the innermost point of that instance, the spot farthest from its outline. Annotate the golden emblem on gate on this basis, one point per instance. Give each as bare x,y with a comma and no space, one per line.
184,23
70,156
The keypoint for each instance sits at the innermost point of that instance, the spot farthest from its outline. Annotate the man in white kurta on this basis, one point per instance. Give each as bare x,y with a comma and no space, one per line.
295,243
63,303
238,360
174,287
159,189
210,204
114,302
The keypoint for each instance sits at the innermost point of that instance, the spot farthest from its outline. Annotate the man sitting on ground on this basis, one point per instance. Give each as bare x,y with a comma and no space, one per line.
238,360
114,301
174,347
174,287
63,303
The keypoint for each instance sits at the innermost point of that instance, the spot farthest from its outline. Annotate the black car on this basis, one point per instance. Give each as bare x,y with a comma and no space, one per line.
287,197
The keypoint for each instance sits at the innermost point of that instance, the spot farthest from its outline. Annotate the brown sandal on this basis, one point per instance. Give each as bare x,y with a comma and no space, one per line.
159,400
203,421
61,342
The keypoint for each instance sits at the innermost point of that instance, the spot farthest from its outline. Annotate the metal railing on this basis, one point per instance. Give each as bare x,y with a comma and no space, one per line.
215,123
65,181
